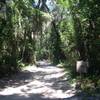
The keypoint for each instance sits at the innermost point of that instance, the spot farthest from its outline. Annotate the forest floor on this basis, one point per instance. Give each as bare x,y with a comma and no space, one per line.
45,82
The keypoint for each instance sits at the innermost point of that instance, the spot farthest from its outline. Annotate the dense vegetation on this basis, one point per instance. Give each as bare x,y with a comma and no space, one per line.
60,30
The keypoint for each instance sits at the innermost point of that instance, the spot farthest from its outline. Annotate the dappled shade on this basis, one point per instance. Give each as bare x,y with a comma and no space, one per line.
48,82
63,32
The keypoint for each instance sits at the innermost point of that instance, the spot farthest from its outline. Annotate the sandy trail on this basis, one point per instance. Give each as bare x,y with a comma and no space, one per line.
46,82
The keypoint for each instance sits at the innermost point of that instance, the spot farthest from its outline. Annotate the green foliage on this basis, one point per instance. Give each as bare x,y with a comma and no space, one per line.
90,84
70,32
84,21
16,35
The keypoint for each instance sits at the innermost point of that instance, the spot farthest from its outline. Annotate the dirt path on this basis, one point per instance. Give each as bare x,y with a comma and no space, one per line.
46,82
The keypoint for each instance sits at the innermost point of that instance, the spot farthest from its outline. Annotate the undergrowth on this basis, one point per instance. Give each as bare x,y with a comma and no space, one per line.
88,84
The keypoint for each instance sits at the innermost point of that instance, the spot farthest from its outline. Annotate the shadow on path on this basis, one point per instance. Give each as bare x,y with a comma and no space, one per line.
45,82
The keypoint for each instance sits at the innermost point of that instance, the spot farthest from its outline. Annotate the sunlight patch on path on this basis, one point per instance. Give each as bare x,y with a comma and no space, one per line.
50,82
